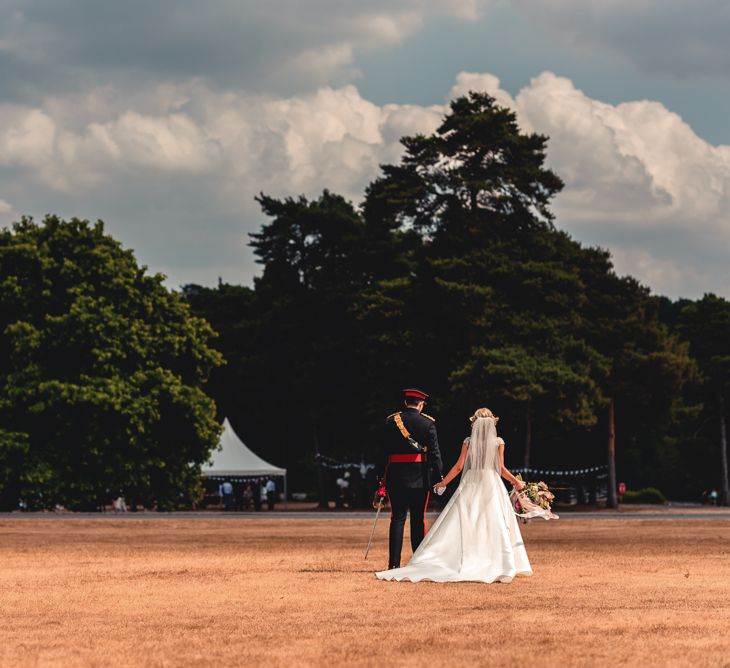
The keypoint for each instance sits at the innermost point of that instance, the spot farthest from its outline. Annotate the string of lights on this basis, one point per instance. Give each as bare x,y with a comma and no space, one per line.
564,473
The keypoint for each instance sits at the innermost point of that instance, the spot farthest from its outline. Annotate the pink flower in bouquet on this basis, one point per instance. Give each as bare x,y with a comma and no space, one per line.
518,505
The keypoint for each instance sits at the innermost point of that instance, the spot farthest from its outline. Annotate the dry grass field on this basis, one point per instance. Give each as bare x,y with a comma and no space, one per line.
278,592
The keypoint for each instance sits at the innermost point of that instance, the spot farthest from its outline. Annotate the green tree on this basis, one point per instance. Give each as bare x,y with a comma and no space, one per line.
102,371
503,283
705,324
317,255
477,172
647,366
295,381
451,275
547,384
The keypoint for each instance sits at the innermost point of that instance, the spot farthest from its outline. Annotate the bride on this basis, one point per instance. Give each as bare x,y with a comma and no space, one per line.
476,537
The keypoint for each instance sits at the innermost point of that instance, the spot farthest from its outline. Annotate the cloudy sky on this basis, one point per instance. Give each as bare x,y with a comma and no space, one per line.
165,118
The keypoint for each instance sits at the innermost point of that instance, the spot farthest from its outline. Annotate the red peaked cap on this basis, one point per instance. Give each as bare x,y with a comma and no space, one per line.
413,392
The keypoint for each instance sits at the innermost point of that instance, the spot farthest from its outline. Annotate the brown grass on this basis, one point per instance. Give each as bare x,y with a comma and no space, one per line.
253,592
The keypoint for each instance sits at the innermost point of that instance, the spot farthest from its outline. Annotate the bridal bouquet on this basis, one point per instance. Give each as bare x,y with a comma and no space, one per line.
535,500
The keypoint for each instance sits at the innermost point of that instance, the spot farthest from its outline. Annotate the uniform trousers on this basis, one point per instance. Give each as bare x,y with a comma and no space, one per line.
402,501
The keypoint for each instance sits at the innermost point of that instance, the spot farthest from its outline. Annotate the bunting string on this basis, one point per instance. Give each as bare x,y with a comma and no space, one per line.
562,473
331,463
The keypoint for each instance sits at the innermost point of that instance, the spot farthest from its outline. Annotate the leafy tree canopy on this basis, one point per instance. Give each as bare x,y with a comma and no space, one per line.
451,275
102,372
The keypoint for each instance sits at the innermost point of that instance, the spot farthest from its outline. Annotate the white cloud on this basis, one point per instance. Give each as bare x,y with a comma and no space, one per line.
677,277
639,181
26,136
173,142
301,144
176,175
468,81
178,184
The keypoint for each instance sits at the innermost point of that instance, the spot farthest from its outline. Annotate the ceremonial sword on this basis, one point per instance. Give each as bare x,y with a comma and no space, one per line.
379,507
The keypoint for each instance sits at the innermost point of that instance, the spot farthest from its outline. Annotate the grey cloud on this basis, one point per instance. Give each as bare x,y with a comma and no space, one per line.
166,118
274,46
669,37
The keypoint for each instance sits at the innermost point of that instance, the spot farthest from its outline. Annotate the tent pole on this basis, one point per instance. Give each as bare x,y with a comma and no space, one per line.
286,496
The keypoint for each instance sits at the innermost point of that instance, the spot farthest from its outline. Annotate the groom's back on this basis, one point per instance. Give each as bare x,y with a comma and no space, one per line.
407,467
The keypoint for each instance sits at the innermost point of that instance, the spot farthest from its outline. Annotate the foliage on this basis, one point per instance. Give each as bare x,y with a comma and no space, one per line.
530,320
101,375
650,495
451,275
705,324
293,385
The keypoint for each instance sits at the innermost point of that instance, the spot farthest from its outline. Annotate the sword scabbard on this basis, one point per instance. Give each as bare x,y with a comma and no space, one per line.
372,532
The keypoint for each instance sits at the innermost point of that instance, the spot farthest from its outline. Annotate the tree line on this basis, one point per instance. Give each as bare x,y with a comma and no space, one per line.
451,275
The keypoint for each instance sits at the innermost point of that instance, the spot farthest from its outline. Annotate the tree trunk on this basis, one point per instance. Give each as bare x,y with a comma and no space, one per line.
528,437
9,497
321,486
723,455
612,501
284,457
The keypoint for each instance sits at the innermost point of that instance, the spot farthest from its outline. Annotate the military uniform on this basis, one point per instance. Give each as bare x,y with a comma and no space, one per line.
410,450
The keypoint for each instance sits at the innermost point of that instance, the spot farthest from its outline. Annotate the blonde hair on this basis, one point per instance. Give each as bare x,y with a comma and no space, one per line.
483,413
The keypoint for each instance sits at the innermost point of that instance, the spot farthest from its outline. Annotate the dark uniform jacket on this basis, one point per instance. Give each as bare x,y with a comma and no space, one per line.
413,474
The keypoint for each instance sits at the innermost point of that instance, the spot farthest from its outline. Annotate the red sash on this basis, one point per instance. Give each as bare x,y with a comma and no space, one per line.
406,459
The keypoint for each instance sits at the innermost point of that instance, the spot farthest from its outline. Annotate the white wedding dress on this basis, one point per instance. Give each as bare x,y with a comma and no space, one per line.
476,537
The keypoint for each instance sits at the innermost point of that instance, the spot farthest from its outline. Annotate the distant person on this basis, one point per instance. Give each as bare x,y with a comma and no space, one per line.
247,496
347,490
227,493
342,485
271,493
119,505
257,492
713,497
344,496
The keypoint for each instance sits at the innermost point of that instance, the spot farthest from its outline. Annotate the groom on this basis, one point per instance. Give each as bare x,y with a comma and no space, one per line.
411,448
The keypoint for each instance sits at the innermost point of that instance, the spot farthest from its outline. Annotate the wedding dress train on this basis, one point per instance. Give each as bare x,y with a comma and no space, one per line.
476,537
